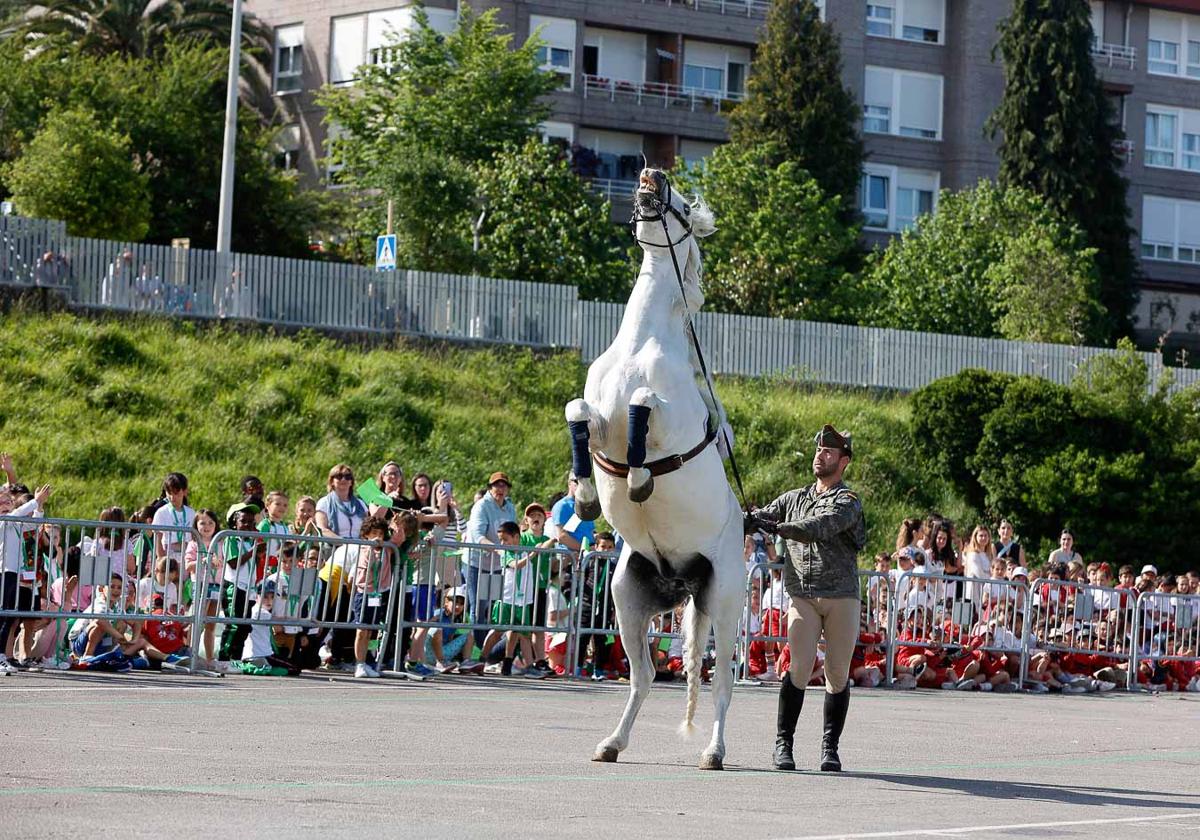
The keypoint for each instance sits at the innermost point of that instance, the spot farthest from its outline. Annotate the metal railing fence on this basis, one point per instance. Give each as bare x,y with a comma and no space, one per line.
1166,629
196,283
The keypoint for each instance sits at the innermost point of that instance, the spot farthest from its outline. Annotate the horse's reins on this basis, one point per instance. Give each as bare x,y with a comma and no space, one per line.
664,207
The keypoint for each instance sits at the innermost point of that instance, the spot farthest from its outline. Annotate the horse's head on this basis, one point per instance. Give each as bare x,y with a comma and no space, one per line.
663,219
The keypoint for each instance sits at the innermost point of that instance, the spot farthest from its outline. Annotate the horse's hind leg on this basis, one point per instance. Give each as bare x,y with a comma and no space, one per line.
726,611
583,424
641,483
634,611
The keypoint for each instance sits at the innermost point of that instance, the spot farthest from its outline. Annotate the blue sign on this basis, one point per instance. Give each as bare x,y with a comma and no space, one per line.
385,252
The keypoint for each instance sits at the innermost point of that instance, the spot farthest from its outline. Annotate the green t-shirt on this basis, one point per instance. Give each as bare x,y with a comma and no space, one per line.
542,562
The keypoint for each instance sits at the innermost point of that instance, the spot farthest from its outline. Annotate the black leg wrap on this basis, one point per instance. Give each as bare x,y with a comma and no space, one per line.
791,701
581,459
639,427
836,706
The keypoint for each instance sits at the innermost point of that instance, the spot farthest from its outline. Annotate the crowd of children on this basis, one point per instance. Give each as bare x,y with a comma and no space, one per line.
377,576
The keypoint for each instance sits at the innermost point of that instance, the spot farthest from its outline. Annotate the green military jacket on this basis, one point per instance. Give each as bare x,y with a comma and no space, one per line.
823,534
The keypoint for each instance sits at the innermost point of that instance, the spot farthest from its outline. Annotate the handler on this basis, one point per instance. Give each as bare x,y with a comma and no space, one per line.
824,531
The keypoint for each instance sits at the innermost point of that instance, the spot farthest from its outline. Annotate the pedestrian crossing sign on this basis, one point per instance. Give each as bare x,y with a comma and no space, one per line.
385,252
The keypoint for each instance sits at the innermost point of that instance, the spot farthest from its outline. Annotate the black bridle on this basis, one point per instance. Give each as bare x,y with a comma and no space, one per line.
661,208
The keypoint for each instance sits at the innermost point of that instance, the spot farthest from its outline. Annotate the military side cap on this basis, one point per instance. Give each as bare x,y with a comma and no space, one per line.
831,438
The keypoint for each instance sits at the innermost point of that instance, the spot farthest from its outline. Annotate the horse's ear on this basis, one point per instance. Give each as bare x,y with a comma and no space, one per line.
703,223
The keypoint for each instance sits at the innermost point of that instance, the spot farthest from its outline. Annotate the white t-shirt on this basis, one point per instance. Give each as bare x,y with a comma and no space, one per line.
243,576
776,597
258,643
345,518
976,564
174,541
285,607
148,587
518,583
12,535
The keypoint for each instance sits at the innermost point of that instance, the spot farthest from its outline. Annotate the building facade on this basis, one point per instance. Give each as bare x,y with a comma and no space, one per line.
656,78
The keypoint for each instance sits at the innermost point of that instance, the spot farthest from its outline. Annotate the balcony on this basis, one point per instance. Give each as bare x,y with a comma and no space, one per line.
1115,55
656,94
613,190
740,8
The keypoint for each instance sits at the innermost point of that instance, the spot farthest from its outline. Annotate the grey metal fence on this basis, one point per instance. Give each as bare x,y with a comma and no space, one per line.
306,293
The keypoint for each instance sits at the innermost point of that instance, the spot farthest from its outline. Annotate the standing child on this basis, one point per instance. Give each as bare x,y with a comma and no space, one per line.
239,554
372,588
201,559
272,523
12,543
546,566
164,582
174,515
515,607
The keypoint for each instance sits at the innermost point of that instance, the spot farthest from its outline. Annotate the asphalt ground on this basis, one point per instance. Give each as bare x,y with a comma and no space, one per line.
175,756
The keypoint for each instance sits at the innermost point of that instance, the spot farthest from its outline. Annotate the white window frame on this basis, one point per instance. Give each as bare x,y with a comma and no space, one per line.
723,68
1183,153
896,126
893,175
287,42
1181,65
546,52
554,130
1172,249
894,27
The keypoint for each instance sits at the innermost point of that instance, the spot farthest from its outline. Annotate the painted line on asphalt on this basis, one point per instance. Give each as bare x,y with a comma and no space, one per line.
687,775
975,829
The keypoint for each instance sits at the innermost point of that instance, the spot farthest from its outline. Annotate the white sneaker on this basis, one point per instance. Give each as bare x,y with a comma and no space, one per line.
985,686
446,667
1074,688
949,685
6,667
1194,685
325,654
52,664
364,671
494,669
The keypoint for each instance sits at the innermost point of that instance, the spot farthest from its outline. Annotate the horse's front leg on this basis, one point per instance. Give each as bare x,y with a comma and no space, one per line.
641,404
583,424
634,612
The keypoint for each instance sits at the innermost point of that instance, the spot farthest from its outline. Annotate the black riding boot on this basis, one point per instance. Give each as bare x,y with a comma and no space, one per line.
791,701
835,718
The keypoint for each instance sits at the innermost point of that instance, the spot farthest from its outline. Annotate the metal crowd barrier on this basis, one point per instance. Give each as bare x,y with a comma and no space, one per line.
1083,620
950,614
1166,628
64,565
767,601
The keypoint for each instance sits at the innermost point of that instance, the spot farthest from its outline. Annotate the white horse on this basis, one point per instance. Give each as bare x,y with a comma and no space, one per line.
682,533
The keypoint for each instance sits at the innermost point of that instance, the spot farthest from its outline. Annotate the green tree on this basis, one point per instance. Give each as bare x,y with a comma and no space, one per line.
134,28
543,222
991,262
1058,134
80,171
797,102
779,240
171,108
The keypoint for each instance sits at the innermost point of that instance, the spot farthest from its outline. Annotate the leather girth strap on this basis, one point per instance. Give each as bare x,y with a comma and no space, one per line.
660,467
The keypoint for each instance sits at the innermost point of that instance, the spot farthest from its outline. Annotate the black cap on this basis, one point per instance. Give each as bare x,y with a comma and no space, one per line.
831,438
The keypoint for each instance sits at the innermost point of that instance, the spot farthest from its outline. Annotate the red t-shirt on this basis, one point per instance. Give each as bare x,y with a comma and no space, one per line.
167,636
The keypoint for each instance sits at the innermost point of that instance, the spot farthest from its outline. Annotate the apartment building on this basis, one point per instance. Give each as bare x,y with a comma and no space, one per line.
657,77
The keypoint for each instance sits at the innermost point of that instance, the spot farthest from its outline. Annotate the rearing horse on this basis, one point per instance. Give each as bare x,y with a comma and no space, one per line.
669,499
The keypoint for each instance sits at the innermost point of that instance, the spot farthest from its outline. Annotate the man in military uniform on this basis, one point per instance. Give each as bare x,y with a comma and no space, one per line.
823,529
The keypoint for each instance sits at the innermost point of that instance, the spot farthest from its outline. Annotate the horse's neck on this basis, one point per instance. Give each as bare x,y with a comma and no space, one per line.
652,310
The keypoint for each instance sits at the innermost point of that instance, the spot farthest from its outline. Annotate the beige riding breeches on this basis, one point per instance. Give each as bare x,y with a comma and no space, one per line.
838,619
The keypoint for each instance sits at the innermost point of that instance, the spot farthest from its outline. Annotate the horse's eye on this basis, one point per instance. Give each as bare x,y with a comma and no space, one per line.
687,211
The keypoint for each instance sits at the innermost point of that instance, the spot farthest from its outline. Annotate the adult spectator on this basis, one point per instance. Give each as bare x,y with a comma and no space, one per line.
977,560
1007,544
1065,553
423,503
912,532
340,513
445,503
391,482
569,529
483,578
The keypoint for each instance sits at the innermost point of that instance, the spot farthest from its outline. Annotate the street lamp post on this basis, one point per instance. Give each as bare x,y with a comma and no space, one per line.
225,215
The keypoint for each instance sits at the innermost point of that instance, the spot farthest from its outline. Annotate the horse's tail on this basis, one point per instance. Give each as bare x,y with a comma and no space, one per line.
695,635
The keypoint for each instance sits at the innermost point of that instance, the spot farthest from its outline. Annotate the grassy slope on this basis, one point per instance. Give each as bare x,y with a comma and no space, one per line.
103,409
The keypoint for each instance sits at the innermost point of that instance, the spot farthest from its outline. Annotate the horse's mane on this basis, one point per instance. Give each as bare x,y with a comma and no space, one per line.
703,222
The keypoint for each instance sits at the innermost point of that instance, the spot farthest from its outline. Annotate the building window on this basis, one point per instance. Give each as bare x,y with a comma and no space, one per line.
903,103
717,69
557,53
613,155
1096,7
893,198
591,60
876,189
1173,44
877,119
560,134
1191,152
289,58
1160,139
1170,229
365,39
923,21
286,147
879,20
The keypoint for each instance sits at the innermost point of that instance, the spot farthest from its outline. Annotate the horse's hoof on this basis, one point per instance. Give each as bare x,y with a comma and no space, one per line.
587,511
640,493
711,762
605,754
